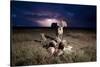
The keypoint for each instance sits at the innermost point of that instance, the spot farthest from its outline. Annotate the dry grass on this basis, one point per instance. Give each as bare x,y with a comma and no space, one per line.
26,51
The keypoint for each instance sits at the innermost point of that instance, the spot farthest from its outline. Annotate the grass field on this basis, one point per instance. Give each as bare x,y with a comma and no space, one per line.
25,50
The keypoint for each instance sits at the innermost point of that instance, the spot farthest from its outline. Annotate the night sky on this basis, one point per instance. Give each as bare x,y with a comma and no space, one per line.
37,14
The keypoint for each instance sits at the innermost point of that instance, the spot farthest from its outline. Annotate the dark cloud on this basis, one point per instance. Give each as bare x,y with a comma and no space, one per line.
27,13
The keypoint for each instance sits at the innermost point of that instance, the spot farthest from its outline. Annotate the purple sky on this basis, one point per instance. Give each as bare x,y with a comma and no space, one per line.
37,14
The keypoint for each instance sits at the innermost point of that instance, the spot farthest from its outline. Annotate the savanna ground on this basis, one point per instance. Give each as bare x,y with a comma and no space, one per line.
27,50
